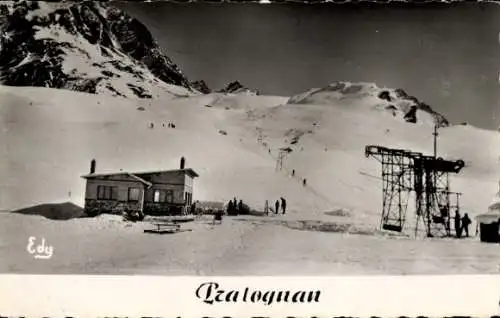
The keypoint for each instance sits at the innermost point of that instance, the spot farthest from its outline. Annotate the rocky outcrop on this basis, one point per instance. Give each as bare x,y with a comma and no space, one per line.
395,101
201,87
83,46
135,39
411,115
237,88
441,121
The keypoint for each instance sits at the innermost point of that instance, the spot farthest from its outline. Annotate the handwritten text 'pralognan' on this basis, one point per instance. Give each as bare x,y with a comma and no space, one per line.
211,292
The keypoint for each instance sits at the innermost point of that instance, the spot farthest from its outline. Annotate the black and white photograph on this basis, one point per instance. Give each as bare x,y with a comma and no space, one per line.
276,139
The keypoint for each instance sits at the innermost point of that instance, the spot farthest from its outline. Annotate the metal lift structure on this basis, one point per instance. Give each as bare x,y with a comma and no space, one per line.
405,172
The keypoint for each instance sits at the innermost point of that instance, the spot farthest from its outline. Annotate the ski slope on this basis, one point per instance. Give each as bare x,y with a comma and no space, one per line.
50,136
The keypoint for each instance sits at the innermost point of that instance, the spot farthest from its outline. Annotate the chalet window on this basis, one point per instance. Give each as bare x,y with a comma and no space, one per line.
159,196
170,196
133,194
107,193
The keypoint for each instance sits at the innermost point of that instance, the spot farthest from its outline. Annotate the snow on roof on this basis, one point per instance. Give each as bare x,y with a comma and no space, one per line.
136,175
95,175
495,206
488,217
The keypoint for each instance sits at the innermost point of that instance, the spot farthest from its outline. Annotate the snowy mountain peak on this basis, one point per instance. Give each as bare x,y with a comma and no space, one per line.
395,101
237,88
87,46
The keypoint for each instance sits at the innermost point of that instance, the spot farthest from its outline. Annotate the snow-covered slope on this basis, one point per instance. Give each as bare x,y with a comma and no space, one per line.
84,46
394,101
48,142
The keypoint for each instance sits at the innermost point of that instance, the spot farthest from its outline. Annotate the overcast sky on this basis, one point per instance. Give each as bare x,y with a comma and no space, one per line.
446,55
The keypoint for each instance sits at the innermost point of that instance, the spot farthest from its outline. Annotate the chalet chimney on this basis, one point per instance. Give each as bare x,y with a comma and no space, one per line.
92,166
183,161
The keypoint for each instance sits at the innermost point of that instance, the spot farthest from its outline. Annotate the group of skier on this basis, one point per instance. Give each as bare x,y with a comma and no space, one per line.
276,206
461,223
235,208
170,125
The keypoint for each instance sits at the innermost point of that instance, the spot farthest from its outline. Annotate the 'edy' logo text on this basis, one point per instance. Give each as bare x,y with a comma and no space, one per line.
40,249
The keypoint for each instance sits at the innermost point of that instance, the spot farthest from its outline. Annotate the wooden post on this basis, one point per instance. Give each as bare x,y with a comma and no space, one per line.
435,140
141,199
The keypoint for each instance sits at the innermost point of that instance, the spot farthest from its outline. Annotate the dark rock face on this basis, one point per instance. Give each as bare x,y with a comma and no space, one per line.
27,59
236,87
139,91
411,115
385,96
441,121
232,87
201,86
137,42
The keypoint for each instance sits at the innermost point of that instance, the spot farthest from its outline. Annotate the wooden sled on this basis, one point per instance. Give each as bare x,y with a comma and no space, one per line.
164,228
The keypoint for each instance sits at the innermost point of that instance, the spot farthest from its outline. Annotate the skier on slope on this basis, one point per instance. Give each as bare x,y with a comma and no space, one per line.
283,205
277,207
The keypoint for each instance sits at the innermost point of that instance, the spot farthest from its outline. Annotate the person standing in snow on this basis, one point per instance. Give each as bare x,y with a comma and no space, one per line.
465,224
293,173
240,207
304,182
283,205
235,206
277,207
266,208
458,228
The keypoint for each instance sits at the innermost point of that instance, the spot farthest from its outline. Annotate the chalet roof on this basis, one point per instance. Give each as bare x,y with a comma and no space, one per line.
149,184
133,176
137,175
